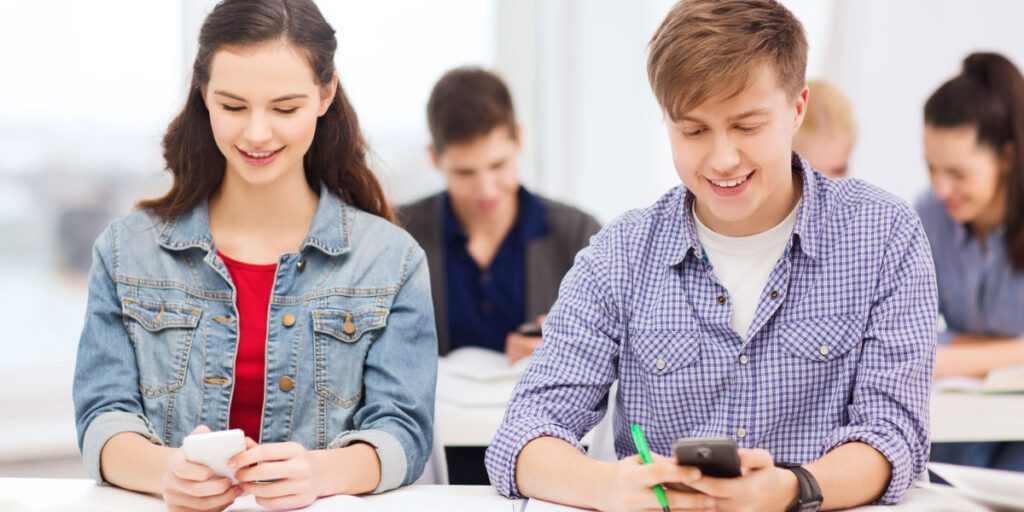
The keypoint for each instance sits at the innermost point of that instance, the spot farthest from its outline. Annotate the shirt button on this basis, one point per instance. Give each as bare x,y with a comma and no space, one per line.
301,265
741,432
744,359
721,299
288,320
286,383
774,294
823,350
659,363
485,306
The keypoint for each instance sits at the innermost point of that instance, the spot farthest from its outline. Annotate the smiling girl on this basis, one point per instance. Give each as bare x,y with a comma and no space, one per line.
974,217
267,290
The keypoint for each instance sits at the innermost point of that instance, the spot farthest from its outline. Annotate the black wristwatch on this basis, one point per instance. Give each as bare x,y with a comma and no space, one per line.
810,494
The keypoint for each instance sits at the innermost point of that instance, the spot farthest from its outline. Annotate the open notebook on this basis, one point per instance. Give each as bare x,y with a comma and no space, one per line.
1008,379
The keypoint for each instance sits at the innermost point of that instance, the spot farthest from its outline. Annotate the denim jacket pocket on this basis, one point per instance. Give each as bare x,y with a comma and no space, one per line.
342,339
162,334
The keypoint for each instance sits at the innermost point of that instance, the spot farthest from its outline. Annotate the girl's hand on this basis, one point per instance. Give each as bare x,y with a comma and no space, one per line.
279,475
188,486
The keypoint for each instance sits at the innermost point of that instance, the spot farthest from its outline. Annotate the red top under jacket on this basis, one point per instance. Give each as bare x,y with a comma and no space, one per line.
253,284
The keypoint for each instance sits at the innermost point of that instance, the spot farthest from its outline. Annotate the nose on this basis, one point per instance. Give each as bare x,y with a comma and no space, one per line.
487,185
724,155
942,186
257,131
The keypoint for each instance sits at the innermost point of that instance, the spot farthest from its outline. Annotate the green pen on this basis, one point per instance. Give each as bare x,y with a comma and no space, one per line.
645,455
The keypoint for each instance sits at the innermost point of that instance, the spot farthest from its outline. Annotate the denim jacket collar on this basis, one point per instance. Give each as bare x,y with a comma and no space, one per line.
329,232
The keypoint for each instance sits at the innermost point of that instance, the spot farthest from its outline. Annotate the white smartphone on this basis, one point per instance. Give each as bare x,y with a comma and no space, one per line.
213,449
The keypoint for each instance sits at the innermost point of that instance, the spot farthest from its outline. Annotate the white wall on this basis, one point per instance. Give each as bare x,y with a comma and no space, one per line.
602,143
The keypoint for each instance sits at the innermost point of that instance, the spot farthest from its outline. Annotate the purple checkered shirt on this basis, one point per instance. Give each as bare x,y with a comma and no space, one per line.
841,347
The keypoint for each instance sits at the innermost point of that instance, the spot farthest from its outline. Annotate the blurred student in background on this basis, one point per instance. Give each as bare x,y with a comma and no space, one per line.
974,217
496,251
829,132
266,291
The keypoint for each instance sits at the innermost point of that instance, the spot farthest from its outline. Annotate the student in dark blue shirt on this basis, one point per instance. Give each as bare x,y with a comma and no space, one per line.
496,251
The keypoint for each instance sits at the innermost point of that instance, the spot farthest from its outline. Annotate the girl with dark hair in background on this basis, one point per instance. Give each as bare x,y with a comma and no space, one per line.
267,290
974,218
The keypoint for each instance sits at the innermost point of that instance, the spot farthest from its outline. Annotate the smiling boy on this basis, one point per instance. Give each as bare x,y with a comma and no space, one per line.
758,301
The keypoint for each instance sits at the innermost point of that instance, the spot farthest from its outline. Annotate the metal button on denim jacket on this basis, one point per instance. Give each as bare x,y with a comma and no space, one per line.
351,350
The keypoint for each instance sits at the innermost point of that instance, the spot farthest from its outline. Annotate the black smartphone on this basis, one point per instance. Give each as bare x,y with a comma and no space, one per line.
714,456
529,329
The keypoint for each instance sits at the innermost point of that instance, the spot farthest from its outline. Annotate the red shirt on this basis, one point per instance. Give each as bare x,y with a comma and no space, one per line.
253,284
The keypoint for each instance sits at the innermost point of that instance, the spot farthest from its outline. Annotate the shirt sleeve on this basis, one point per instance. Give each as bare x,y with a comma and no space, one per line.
563,392
890,404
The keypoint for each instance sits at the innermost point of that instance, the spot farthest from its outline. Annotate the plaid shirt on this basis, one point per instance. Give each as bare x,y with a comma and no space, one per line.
841,347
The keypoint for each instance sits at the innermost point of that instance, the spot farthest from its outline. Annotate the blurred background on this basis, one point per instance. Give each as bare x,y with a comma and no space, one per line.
87,89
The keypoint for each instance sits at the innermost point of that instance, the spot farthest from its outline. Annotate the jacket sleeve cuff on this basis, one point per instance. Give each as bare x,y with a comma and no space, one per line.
504,452
905,470
108,425
393,464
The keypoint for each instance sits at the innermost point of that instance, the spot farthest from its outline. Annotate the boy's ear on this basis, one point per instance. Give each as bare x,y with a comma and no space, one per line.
1007,156
801,107
434,157
518,136
327,93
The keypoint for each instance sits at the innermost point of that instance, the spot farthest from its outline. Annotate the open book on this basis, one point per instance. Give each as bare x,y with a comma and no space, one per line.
1008,379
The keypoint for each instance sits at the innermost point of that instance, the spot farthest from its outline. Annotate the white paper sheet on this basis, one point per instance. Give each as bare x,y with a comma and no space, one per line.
480,364
1002,490
394,501
535,505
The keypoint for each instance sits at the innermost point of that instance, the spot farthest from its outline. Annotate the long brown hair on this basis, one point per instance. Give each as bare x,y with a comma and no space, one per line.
988,95
337,156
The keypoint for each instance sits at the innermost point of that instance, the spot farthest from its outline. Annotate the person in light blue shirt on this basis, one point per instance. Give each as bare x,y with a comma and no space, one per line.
974,217
759,301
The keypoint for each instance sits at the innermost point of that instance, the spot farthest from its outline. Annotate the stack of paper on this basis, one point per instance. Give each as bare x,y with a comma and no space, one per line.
477,377
1000,490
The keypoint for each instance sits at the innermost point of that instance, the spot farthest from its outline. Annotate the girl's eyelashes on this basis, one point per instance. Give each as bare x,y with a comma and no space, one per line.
285,111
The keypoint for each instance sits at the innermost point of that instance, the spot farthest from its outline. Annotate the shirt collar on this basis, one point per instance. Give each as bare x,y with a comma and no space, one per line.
330,231
808,217
531,218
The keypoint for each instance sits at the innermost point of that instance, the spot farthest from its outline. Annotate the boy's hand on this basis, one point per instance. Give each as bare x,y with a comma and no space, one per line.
762,486
632,483
518,346
188,486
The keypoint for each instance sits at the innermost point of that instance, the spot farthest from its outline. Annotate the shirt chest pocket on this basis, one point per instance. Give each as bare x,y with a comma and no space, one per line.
342,338
819,359
161,333
670,372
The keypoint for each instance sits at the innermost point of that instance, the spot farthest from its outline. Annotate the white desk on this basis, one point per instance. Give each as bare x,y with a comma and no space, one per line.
963,417
51,495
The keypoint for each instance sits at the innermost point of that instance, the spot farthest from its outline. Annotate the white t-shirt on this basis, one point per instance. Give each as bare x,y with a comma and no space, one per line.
743,264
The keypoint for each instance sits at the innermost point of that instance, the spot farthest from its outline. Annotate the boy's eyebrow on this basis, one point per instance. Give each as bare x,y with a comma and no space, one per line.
275,100
738,117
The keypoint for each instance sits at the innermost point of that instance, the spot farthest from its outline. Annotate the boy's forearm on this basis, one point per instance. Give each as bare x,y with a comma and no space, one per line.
551,469
852,474
131,461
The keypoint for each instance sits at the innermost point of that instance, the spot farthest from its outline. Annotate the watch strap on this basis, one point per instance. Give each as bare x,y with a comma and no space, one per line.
810,494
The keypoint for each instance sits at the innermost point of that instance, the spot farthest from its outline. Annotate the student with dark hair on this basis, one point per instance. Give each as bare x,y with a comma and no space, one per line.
267,290
974,217
759,301
496,251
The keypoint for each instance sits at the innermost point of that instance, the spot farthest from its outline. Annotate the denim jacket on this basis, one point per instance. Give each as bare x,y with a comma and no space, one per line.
351,352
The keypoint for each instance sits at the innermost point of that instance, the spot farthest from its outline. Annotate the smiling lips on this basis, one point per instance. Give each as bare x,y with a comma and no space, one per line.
730,187
259,158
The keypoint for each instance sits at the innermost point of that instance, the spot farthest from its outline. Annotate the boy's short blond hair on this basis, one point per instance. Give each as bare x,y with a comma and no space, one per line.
710,48
828,114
